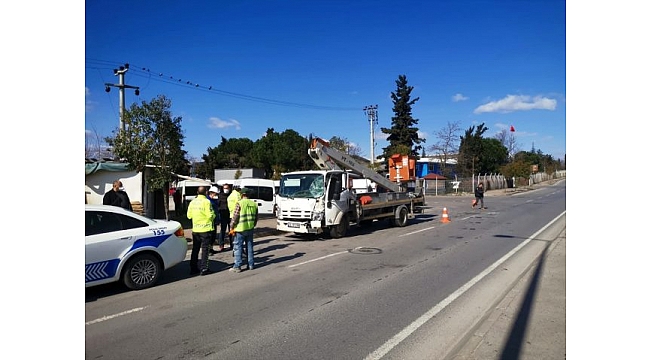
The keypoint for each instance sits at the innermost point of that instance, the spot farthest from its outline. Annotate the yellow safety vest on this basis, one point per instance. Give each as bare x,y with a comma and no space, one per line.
201,213
233,199
247,213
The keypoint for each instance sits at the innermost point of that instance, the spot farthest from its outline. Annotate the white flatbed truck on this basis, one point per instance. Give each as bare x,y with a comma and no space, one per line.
315,201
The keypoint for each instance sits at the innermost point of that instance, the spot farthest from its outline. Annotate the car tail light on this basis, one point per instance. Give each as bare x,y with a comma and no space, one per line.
180,232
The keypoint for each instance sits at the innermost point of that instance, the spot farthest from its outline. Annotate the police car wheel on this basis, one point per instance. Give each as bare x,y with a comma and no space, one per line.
141,272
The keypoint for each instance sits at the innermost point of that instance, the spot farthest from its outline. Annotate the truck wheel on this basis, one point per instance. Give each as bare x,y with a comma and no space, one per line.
402,217
339,230
141,272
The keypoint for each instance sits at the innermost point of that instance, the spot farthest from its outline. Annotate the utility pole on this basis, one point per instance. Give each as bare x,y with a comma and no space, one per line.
120,74
371,112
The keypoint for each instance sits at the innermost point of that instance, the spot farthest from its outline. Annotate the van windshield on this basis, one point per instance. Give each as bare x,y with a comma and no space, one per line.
191,190
302,185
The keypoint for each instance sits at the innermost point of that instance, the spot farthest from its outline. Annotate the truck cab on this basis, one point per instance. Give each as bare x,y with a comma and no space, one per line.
309,200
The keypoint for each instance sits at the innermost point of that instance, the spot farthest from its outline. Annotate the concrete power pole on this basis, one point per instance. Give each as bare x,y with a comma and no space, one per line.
371,112
120,74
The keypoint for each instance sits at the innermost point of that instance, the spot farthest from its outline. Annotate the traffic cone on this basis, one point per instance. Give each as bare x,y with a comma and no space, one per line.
445,216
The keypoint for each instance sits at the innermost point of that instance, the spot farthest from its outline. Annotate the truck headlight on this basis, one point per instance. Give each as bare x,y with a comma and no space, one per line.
318,216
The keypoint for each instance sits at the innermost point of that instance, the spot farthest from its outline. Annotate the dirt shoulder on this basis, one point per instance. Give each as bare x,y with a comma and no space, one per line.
512,191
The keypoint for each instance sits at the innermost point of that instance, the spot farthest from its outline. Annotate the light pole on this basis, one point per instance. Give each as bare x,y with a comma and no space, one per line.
120,85
371,112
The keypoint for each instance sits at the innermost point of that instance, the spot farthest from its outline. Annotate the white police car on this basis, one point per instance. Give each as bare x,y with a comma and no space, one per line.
124,246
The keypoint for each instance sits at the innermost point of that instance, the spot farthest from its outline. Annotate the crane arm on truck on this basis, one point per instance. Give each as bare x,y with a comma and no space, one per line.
328,158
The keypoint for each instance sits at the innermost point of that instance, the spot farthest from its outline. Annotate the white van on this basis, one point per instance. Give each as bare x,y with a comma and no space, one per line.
189,189
262,192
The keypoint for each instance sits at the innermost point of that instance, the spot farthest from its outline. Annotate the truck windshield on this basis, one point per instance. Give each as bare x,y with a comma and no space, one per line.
302,185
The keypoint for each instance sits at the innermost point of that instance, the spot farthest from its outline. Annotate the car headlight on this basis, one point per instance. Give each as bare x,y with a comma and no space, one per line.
318,216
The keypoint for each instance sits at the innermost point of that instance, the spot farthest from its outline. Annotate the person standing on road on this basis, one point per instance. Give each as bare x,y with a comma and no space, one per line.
117,196
213,196
243,222
178,202
224,215
233,199
202,215
478,196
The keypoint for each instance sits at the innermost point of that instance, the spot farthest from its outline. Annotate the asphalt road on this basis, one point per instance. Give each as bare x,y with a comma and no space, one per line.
415,292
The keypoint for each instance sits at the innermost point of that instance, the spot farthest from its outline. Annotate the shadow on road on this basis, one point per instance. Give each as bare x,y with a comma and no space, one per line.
512,349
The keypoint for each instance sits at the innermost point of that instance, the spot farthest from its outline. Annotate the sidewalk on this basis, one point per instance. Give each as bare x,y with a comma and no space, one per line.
530,322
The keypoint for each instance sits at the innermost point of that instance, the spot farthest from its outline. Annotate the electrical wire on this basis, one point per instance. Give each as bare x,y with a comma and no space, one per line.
145,72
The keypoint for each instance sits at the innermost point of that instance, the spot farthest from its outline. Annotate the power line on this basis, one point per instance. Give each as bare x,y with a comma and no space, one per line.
162,77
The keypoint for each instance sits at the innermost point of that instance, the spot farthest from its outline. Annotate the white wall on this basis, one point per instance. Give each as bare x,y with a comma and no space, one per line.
97,184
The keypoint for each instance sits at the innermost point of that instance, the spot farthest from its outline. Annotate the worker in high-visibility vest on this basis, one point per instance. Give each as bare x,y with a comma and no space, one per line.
202,214
242,223
233,199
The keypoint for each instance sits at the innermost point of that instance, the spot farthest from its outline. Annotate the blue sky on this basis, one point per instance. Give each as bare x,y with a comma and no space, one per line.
236,68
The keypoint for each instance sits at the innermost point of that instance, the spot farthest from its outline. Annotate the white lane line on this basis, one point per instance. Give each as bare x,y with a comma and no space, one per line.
116,315
320,258
415,232
399,337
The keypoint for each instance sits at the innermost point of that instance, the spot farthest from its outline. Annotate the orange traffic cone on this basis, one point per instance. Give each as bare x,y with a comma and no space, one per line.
445,216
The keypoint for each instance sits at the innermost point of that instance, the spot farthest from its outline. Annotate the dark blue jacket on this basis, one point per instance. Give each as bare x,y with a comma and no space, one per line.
478,192
215,206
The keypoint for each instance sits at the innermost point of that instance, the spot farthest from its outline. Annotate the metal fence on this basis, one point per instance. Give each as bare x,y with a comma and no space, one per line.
461,186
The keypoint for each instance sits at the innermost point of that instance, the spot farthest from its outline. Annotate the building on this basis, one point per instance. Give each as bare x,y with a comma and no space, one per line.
433,165
221,174
100,176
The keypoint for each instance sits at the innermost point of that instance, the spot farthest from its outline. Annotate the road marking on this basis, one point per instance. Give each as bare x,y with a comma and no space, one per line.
116,315
399,337
320,258
417,231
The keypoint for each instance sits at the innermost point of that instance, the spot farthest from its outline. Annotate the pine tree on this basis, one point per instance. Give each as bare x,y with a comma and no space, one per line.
402,136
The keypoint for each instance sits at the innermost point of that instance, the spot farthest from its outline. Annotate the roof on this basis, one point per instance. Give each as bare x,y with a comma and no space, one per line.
432,176
94,167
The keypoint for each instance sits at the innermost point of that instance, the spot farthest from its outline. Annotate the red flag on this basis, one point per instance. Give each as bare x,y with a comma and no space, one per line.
512,128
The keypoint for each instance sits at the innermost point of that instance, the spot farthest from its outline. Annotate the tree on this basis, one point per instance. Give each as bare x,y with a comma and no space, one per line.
447,144
95,145
274,152
516,168
231,153
493,157
470,149
264,151
152,137
296,156
523,161
344,145
402,134
507,139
